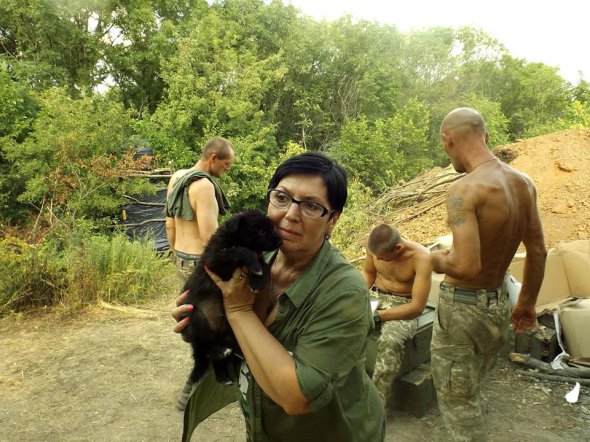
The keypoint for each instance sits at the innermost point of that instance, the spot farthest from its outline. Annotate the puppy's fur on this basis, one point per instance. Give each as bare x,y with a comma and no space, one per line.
237,243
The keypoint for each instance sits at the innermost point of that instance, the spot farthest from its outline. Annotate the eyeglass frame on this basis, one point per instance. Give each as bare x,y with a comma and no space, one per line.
298,202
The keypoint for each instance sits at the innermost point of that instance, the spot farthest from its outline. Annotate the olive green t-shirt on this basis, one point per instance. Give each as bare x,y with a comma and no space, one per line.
323,320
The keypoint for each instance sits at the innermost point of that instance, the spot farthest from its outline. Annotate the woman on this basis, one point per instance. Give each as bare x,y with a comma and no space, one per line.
303,338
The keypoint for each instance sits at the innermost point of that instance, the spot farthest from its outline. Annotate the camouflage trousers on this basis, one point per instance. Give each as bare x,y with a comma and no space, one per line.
470,328
185,263
390,345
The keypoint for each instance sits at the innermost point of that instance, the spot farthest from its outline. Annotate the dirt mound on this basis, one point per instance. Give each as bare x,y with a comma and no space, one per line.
558,164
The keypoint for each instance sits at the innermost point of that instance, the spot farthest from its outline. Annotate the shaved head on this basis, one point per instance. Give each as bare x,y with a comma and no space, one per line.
220,146
383,239
463,120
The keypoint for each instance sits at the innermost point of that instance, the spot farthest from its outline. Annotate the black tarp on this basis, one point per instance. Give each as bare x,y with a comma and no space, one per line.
144,217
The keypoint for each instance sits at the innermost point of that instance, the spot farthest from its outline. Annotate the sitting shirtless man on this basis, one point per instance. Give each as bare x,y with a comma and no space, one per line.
398,272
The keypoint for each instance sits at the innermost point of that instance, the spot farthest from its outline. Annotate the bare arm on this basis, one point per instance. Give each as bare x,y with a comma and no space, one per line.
201,195
369,272
270,363
524,315
463,260
420,292
170,232
170,227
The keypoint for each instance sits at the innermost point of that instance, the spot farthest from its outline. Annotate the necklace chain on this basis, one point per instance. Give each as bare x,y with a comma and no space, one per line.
273,299
486,161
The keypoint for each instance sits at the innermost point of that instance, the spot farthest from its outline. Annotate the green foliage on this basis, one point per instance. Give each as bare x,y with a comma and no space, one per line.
74,269
496,122
276,83
577,116
49,42
114,270
17,111
354,220
29,276
397,147
534,95
71,161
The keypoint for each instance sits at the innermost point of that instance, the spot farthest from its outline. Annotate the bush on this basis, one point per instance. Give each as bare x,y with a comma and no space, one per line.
114,269
355,222
78,269
29,276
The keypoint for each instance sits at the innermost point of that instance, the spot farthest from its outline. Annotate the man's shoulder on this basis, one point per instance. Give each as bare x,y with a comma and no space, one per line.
200,184
468,190
179,173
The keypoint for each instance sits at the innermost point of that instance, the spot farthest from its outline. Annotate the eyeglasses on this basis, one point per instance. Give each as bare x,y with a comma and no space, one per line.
308,209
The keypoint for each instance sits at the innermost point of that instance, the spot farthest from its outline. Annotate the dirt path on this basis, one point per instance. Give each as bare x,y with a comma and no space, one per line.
110,376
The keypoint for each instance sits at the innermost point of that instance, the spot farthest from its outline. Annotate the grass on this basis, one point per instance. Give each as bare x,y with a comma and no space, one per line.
80,269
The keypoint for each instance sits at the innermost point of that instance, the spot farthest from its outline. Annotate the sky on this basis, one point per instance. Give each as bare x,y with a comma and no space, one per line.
553,32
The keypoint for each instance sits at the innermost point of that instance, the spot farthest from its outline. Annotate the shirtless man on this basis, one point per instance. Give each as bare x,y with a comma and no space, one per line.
491,210
193,205
398,272
191,222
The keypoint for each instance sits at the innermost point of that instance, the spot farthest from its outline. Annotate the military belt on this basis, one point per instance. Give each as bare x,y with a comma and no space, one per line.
471,296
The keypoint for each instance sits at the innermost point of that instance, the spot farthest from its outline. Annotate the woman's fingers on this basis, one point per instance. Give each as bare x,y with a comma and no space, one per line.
181,325
238,275
181,298
181,311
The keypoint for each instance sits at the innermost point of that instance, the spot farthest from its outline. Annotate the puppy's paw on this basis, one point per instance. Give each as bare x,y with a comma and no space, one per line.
256,283
219,353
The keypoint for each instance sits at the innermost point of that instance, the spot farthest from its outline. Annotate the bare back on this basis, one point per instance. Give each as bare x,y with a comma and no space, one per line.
191,236
491,210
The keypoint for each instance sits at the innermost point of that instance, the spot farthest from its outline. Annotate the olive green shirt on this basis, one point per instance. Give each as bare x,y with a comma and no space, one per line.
323,320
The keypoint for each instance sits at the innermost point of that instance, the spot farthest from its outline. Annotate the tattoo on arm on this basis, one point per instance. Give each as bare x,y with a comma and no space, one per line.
455,209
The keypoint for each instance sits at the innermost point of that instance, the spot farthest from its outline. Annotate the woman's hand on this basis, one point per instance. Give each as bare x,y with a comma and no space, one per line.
181,312
237,295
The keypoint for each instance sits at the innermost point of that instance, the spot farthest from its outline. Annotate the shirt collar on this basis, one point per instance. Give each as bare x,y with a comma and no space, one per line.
303,285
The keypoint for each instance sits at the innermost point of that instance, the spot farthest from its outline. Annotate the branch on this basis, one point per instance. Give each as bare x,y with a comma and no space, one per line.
438,203
147,221
135,200
550,377
529,361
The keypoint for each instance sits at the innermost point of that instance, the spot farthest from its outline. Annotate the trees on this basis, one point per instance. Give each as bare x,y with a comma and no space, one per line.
70,164
181,71
380,153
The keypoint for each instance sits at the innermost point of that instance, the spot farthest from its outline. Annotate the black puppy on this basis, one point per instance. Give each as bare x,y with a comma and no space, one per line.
237,243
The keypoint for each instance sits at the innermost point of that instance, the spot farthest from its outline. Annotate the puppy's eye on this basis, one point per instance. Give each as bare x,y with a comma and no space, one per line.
261,232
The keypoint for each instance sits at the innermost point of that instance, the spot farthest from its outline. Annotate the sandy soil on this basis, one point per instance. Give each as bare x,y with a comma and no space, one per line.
114,376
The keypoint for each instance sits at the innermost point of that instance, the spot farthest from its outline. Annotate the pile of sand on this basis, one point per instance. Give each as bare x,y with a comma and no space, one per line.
558,164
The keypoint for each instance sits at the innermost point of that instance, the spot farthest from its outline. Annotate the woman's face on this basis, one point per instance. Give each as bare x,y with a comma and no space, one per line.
301,234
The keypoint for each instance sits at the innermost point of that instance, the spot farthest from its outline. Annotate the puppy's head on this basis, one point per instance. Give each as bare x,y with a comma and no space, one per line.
253,230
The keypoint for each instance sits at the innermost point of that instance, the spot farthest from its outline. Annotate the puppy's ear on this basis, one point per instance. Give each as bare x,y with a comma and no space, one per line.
233,224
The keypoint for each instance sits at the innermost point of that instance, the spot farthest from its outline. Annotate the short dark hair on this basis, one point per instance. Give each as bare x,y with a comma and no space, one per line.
315,163
383,239
218,145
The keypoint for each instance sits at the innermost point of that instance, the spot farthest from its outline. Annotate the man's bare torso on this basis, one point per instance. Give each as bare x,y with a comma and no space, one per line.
503,201
187,238
398,275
